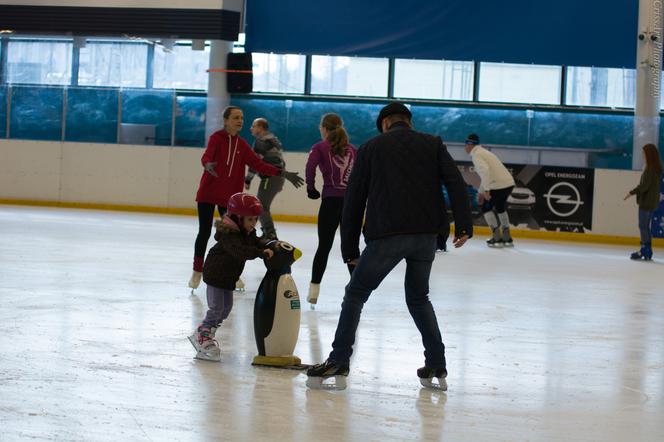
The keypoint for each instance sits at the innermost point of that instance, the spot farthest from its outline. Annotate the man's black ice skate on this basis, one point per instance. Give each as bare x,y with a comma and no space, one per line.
495,242
427,375
441,243
507,238
319,373
496,239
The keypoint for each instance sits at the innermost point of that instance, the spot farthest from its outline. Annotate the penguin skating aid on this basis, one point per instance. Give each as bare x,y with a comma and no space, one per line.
277,310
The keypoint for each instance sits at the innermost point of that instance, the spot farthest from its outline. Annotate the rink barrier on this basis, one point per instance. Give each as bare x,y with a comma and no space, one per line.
478,230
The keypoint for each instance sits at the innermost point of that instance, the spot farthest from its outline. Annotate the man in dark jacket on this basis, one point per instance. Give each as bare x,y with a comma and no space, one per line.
397,178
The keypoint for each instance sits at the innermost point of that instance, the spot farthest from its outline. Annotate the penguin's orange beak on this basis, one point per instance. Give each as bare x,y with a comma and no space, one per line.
297,254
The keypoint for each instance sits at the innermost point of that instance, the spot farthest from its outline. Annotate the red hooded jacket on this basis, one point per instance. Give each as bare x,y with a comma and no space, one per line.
232,154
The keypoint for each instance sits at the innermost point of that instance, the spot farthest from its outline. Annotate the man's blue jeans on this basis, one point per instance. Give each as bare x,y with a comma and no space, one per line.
377,260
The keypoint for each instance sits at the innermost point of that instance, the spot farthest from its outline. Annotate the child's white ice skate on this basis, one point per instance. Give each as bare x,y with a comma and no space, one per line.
312,297
207,348
427,375
318,374
195,280
239,285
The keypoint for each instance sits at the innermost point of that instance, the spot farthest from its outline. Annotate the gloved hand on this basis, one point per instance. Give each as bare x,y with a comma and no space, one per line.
313,194
293,177
209,168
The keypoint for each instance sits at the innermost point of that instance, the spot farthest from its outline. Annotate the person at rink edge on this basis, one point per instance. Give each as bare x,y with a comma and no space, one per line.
268,148
496,186
224,163
236,243
397,179
647,198
334,156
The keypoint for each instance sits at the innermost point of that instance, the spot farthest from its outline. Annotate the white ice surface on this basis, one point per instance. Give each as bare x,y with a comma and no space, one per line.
547,341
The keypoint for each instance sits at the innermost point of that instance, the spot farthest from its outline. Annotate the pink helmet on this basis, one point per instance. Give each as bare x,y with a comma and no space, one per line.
243,204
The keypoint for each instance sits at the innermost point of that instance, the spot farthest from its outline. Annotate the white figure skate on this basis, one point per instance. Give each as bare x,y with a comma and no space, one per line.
195,280
239,285
312,297
427,375
207,348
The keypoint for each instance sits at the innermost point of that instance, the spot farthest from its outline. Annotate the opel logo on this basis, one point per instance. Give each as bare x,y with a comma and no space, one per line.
563,199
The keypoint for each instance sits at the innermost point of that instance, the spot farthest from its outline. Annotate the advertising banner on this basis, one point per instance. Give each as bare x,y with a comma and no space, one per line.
544,198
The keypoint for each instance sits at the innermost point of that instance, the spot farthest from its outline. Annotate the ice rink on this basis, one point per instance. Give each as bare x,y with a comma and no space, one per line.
546,341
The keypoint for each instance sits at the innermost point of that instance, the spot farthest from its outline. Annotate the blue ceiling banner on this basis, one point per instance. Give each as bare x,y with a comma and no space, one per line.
566,32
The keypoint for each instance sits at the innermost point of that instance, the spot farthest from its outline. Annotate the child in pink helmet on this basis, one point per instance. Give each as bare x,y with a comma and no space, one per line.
236,243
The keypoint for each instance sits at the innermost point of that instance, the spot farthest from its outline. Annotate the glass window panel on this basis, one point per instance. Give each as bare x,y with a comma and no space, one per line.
92,115
365,77
181,68
39,62
146,117
36,113
113,64
279,73
606,87
3,111
520,83
434,79
190,121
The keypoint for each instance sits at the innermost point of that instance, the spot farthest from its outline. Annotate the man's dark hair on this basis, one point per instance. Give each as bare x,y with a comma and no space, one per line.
262,122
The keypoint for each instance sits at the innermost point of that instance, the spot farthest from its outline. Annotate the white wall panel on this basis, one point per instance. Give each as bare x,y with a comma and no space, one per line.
184,175
611,214
115,174
30,170
168,177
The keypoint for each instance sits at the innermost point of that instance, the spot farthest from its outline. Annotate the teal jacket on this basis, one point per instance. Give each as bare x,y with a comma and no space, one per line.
647,192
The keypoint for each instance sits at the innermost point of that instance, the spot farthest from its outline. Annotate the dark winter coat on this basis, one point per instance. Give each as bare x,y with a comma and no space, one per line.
648,190
225,261
269,149
398,177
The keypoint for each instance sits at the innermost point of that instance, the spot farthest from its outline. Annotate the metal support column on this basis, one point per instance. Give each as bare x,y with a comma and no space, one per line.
217,97
648,78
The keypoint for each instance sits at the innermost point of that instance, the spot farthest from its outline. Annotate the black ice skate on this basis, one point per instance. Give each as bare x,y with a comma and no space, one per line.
427,375
318,374
441,243
496,239
507,238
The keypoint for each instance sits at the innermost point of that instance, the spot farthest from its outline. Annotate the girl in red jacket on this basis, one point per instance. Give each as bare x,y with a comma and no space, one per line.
225,160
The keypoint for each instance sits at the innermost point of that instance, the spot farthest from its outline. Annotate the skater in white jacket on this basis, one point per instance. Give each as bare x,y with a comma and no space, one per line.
497,184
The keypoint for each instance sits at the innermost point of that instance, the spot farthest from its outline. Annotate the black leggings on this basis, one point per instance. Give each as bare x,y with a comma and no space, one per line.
329,218
205,218
498,200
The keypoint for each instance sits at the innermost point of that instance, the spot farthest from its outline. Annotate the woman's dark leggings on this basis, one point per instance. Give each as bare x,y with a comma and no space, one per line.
329,218
205,218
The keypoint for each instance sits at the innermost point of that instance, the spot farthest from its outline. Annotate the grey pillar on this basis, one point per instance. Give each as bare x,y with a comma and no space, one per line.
648,78
217,97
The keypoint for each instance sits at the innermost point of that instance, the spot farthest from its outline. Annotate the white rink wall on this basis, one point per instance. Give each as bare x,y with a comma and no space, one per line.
167,177
119,174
